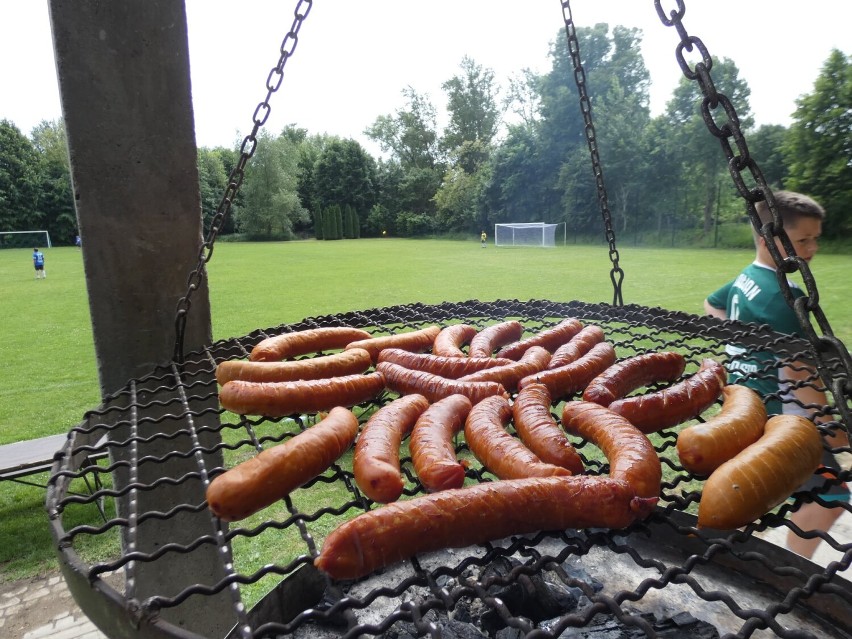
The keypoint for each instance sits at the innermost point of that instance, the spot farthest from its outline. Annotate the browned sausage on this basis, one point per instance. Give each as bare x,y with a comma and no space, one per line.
349,362
452,338
312,340
416,341
432,452
433,387
277,471
443,366
540,432
566,380
761,476
704,447
490,338
549,339
634,372
677,403
278,399
477,514
534,360
376,461
502,454
579,345
630,454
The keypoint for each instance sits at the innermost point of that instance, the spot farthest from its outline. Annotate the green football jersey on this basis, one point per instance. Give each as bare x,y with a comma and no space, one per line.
755,297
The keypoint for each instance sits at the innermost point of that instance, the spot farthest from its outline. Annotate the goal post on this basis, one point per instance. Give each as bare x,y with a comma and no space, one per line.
24,239
538,234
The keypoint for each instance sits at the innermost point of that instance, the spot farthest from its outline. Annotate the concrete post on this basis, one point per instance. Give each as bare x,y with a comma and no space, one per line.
123,69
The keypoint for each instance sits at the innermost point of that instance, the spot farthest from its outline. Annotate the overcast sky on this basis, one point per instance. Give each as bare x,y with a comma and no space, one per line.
354,57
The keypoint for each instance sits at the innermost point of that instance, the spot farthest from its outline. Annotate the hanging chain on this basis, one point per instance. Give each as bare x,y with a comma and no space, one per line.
616,275
235,179
828,350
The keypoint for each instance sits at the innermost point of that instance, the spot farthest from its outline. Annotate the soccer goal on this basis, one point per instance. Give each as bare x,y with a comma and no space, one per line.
529,234
24,239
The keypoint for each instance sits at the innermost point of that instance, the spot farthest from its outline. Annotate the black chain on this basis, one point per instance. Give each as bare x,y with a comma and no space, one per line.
235,179
616,274
827,348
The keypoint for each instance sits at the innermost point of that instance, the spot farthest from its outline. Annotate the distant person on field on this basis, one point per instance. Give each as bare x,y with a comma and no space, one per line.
38,263
77,241
755,296
483,237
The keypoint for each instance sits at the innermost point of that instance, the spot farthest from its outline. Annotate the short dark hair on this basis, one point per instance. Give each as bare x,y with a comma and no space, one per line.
791,207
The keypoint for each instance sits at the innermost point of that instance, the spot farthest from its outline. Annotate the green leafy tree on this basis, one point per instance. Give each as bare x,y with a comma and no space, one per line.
474,116
819,145
702,162
212,181
766,146
55,198
272,205
19,180
344,173
409,135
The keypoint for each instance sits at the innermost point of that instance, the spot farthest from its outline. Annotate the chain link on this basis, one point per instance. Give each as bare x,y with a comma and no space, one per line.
235,179
616,274
828,350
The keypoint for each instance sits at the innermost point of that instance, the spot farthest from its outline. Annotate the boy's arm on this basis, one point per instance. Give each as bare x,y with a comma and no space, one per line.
709,309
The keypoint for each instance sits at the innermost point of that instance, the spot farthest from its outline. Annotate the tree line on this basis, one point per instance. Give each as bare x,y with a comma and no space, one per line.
514,153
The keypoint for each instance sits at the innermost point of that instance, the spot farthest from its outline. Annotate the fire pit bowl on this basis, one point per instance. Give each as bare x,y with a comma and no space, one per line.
167,437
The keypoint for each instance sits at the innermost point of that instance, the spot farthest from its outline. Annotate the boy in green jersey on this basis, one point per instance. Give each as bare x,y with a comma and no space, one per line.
755,296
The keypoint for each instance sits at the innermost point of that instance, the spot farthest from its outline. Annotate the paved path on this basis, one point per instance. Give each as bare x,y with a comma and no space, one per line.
44,608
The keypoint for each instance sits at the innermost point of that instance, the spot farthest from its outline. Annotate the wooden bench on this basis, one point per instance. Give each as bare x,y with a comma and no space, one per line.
21,461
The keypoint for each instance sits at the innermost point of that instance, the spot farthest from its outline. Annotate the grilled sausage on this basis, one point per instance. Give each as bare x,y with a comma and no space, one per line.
415,341
497,450
490,338
763,475
277,471
534,360
634,372
432,387
312,340
631,455
677,403
540,432
432,452
702,448
349,362
566,380
550,339
477,514
579,345
449,341
443,366
279,399
376,461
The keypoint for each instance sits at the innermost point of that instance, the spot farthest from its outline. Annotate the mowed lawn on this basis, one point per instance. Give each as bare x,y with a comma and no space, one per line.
49,378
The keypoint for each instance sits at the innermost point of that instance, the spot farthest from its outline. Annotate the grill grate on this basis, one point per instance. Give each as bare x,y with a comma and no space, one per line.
166,440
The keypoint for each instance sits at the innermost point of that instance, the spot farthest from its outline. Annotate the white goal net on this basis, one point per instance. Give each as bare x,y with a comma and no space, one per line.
528,234
24,239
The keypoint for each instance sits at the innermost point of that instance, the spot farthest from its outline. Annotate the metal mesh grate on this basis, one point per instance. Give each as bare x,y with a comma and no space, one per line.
167,437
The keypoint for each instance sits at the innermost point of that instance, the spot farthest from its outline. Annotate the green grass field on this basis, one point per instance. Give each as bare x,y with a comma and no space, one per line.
49,377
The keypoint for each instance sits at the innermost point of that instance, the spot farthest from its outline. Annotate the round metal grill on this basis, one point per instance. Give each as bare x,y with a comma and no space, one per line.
166,437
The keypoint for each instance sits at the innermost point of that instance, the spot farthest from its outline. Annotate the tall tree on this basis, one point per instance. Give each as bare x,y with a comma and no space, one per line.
766,146
474,116
56,199
410,135
819,146
212,180
702,162
272,203
19,180
344,173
